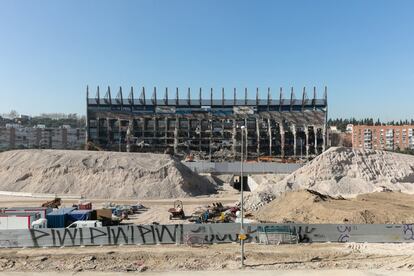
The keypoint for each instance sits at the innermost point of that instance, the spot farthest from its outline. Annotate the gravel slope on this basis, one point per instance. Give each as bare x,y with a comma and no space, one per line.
99,174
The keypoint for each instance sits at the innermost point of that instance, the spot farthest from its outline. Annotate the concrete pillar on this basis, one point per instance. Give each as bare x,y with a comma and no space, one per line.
282,139
222,129
315,131
188,133
119,134
166,132
293,129
269,129
108,130
200,123
129,135
144,127
306,140
233,138
324,137
258,136
211,138
177,123
154,133
246,153
98,129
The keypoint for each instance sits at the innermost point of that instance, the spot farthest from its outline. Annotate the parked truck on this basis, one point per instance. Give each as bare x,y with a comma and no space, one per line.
21,221
85,224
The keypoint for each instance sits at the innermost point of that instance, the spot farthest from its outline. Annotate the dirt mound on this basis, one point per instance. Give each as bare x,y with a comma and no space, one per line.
345,172
99,174
307,206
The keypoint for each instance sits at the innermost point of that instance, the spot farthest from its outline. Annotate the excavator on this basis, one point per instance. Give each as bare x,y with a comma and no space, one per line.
55,203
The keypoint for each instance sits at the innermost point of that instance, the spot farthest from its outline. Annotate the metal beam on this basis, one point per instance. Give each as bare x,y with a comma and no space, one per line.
142,98
268,99
177,102
280,99
120,98
131,97
108,98
314,98
166,96
98,98
154,97
303,99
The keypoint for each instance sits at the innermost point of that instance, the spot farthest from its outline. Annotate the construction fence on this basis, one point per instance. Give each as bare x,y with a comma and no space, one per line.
196,234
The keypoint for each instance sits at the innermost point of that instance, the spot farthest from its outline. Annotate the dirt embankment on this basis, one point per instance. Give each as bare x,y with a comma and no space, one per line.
343,172
99,174
306,206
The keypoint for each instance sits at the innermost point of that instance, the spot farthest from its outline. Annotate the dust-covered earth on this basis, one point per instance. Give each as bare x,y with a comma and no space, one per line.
171,258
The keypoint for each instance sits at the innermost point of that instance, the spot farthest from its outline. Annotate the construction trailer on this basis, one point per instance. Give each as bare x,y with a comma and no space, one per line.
277,129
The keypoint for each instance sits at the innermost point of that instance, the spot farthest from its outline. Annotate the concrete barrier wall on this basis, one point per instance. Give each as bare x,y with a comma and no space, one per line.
203,233
248,168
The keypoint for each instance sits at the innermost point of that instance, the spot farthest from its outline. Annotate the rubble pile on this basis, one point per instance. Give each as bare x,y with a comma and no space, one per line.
99,174
343,172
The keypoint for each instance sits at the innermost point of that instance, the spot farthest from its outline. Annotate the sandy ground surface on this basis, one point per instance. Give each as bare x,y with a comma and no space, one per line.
307,206
156,209
337,272
313,257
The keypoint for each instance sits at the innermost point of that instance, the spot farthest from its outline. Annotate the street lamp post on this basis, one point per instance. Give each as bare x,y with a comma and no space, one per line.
242,234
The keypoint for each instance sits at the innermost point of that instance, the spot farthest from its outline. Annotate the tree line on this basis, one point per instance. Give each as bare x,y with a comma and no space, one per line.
341,123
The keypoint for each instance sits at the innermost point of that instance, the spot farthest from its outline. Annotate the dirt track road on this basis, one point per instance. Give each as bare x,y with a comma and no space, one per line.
336,272
364,258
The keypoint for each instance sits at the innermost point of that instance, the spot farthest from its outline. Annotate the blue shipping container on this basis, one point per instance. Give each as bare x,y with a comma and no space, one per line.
76,215
58,218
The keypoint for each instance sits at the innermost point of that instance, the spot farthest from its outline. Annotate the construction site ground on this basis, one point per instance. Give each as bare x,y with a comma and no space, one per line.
220,257
156,209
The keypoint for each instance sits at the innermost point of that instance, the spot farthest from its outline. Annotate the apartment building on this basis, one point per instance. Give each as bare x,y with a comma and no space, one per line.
19,137
383,137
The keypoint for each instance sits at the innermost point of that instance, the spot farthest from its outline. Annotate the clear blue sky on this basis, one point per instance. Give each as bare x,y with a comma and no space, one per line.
362,50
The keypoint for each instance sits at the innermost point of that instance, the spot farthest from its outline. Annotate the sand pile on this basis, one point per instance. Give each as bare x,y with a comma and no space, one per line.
99,174
345,172
307,206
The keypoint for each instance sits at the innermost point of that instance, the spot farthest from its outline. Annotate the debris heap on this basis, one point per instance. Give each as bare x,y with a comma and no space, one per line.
344,172
99,174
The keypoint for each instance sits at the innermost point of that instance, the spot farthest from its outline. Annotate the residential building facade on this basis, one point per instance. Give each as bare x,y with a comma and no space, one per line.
19,137
383,137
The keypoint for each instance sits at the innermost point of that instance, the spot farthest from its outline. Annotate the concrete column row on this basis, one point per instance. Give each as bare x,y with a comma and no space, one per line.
293,128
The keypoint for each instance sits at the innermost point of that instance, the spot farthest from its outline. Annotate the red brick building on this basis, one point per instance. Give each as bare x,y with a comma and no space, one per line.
383,137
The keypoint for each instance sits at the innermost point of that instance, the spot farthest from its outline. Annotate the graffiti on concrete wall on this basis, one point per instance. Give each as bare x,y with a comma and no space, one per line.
130,234
344,232
408,231
202,233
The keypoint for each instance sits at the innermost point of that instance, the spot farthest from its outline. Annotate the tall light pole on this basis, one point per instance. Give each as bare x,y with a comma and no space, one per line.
242,234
